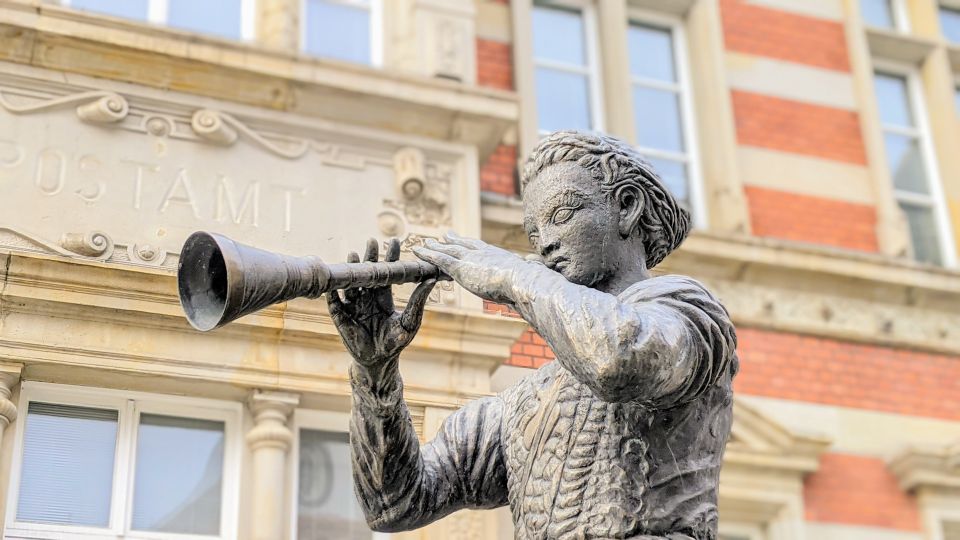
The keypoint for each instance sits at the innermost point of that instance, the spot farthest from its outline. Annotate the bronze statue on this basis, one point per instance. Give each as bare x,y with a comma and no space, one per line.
622,436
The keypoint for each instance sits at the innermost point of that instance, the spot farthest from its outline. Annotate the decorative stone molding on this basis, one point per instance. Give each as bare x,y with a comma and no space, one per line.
761,482
271,410
435,38
928,468
96,106
92,246
9,376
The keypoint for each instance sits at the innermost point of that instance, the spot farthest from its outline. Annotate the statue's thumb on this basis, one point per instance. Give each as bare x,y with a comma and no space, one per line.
413,313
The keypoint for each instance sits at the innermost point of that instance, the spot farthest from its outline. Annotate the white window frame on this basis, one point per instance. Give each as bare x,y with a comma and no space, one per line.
129,405
593,69
157,12
375,7
684,89
935,199
938,518
331,421
901,17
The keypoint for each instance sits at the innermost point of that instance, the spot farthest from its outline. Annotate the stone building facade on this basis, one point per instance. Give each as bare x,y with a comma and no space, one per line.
815,142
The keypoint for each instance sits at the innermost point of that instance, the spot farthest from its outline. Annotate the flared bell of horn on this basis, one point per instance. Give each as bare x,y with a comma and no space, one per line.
220,280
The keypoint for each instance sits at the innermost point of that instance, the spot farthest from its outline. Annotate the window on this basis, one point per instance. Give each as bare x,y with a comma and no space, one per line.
661,103
233,19
346,30
565,64
102,462
911,165
950,23
883,14
326,505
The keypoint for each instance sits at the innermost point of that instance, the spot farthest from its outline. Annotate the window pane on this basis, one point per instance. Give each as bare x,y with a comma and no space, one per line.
563,100
218,17
340,31
128,9
558,35
893,100
950,23
651,52
674,175
179,473
923,233
326,504
877,13
906,163
658,119
67,471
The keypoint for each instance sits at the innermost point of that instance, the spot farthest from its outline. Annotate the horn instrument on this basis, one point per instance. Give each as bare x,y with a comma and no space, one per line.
220,280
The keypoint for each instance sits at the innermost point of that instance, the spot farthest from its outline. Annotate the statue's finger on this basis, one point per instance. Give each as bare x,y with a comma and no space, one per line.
413,313
454,238
393,250
452,250
373,250
442,260
335,306
352,257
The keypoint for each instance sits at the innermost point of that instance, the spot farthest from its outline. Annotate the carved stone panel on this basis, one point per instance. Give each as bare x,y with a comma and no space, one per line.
126,174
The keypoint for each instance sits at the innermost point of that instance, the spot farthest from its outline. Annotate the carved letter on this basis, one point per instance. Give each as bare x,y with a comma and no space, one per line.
138,179
51,171
225,201
288,193
90,163
182,185
11,154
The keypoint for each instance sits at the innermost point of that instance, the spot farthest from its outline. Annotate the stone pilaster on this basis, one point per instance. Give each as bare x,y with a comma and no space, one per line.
269,440
278,24
9,376
434,38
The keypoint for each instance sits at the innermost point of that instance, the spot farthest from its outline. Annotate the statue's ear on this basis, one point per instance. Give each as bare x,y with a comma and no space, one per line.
631,201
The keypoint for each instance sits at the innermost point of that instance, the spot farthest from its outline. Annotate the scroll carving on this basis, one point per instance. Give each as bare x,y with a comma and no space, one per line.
96,106
93,244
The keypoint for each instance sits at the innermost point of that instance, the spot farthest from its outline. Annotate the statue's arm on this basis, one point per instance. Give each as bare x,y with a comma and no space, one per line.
661,352
402,485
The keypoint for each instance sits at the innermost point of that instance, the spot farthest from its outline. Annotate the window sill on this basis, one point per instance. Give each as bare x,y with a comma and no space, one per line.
898,46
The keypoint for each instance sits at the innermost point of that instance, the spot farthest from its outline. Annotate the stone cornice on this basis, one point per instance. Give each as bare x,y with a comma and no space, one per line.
127,320
801,288
758,442
928,468
48,36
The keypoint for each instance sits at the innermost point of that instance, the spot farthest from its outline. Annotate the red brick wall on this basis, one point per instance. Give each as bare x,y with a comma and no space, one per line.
530,351
834,372
858,490
804,218
801,128
788,36
497,174
494,64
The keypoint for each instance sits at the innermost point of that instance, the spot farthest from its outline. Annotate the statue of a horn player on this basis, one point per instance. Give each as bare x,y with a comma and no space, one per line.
621,437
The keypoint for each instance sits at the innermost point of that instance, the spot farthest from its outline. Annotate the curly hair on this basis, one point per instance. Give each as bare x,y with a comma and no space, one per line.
664,224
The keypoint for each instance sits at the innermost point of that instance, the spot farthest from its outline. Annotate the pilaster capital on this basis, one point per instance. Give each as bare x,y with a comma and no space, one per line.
270,413
9,376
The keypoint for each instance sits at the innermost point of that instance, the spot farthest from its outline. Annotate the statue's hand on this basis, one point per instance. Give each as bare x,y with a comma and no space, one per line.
486,271
372,330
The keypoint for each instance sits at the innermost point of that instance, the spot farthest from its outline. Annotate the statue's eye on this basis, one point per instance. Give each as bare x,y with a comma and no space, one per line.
563,215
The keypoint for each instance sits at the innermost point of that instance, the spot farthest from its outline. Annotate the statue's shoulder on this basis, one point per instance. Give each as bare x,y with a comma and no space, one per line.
671,285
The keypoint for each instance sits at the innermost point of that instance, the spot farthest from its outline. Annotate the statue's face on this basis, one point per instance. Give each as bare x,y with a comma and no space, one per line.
571,224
